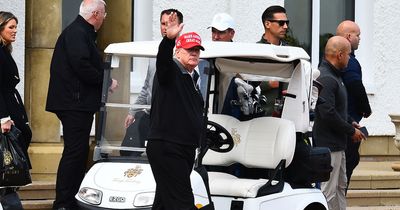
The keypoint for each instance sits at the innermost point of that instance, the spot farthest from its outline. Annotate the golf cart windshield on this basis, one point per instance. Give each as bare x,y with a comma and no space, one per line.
246,66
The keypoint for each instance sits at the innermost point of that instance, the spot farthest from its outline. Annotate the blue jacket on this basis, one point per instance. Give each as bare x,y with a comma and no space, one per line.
358,103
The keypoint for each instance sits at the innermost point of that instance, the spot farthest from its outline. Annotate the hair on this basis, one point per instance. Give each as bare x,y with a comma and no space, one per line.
169,11
5,17
270,11
88,7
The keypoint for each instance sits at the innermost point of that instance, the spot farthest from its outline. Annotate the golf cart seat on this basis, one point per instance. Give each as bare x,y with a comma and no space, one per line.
264,142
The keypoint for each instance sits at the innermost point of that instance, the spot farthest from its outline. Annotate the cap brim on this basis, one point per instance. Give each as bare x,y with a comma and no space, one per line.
188,46
219,28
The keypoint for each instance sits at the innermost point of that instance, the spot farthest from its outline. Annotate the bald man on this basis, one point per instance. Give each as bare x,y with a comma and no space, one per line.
331,126
358,104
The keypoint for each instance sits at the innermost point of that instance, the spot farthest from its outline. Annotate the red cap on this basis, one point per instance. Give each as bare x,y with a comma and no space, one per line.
189,40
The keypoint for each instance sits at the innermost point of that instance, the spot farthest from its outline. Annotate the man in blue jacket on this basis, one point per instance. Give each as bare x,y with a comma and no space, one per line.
358,103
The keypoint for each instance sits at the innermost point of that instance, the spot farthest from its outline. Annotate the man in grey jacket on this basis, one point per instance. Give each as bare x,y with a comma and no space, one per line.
144,97
332,124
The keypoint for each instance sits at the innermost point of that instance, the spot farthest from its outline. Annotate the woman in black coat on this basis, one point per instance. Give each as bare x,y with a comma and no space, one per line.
12,110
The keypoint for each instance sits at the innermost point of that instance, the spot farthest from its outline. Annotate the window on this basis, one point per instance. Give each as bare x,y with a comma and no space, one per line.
314,22
299,14
70,9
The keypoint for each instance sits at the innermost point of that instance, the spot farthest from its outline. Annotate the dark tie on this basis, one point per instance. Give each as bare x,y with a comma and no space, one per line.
195,79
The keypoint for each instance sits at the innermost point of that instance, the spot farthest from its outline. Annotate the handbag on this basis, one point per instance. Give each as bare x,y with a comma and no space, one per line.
14,170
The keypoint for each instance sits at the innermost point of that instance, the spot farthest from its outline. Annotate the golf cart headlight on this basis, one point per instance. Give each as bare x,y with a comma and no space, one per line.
144,199
90,195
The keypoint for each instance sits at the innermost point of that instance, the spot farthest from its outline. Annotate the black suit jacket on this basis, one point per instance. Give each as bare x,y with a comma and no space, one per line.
76,71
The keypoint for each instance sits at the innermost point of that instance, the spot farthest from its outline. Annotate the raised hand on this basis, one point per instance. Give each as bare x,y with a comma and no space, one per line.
173,26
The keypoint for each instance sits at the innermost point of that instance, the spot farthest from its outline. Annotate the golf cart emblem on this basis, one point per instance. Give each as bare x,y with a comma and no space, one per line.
235,136
133,172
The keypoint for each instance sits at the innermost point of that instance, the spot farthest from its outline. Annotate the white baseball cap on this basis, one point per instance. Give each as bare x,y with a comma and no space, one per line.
222,21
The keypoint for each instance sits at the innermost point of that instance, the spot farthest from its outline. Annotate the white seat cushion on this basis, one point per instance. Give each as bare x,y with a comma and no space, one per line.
259,143
229,185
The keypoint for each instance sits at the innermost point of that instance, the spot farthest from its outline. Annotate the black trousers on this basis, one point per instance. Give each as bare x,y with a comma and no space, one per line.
352,158
72,167
171,165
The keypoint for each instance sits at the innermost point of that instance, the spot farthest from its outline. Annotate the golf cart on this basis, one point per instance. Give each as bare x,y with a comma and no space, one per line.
242,163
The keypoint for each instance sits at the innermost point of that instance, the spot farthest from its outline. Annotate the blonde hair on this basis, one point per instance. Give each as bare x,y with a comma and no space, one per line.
88,7
5,17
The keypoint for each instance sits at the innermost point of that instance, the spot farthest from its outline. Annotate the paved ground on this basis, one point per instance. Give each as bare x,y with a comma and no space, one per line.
374,208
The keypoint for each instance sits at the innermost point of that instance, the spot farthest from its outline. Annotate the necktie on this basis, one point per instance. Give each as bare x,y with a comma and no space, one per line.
195,79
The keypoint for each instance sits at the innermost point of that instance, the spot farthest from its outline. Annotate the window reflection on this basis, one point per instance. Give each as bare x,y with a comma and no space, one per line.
331,14
299,33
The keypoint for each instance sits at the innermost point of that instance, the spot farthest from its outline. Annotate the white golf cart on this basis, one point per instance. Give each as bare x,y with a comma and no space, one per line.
121,177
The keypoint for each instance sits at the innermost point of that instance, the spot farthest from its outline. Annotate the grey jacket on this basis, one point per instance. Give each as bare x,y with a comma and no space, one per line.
331,126
144,97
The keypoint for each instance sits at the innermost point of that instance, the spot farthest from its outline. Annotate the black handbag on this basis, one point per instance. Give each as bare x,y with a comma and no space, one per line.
309,165
14,170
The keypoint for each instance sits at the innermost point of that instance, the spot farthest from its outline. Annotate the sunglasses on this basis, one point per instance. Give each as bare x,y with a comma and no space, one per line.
280,22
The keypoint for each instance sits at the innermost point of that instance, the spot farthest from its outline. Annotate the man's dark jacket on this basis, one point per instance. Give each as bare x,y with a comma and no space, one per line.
358,102
177,107
76,71
331,126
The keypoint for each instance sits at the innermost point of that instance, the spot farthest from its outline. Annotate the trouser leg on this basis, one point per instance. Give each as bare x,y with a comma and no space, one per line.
352,158
342,183
72,167
171,165
334,188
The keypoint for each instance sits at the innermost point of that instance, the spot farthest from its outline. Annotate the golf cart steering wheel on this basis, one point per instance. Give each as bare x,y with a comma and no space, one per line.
218,138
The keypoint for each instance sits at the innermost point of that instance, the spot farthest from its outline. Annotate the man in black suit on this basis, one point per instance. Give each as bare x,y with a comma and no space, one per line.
76,78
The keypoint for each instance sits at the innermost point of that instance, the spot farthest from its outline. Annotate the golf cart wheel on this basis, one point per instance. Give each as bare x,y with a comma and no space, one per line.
218,138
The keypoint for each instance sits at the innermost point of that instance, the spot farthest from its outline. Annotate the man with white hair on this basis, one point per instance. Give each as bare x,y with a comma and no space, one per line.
74,95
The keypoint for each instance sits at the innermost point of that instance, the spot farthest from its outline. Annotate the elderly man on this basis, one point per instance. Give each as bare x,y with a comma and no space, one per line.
358,103
76,79
331,126
176,118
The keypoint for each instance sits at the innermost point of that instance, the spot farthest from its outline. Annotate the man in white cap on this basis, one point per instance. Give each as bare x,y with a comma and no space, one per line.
222,27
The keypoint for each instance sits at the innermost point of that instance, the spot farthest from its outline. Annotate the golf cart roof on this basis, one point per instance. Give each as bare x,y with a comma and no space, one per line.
215,50
255,62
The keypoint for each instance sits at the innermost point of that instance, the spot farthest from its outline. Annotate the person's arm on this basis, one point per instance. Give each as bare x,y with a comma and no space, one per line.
3,108
327,110
144,93
5,119
165,63
356,90
142,97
